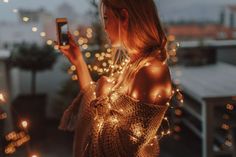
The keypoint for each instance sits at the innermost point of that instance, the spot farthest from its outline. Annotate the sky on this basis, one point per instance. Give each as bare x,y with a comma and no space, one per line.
169,9
81,6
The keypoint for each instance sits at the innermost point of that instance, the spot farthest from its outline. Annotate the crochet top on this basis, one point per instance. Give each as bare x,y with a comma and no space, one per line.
116,125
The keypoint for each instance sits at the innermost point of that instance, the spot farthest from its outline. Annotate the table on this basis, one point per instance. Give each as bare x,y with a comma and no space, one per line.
210,85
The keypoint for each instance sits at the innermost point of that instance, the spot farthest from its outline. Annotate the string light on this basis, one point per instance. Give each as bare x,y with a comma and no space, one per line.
230,107
74,77
34,155
76,33
87,54
2,98
42,34
24,124
49,42
25,19
3,116
34,29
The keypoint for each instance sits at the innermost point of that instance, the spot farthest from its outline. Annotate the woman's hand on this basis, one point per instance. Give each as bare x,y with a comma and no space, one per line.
103,87
72,52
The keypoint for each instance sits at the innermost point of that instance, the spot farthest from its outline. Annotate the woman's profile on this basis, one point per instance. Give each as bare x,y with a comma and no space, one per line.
119,115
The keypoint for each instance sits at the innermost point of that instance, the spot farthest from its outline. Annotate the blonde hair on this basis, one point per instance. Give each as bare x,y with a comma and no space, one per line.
145,32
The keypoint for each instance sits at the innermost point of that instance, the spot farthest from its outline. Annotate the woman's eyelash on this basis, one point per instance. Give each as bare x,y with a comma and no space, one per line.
105,17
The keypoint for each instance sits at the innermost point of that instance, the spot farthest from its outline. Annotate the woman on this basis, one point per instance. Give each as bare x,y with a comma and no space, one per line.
119,115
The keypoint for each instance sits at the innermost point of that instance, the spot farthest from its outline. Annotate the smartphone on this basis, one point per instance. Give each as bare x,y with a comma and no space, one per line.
62,29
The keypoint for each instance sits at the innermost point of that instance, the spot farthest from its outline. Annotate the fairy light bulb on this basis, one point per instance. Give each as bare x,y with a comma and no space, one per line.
34,29
49,42
24,124
230,107
87,54
3,116
2,99
42,34
76,33
73,67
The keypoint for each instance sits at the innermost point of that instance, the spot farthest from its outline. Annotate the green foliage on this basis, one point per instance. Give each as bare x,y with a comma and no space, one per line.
33,57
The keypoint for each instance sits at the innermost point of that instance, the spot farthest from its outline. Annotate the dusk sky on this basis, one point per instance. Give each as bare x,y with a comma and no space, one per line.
169,9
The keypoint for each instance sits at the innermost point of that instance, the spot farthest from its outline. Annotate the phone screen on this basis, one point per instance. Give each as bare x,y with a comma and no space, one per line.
63,29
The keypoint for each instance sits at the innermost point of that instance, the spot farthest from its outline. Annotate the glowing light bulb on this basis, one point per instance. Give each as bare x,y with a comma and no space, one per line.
3,116
76,33
24,124
74,77
49,42
230,107
85,46
42,34
34,29
87,54
2,99
73,67
89,30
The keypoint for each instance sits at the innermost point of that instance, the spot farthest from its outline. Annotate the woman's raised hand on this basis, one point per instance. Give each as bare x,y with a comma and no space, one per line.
72,52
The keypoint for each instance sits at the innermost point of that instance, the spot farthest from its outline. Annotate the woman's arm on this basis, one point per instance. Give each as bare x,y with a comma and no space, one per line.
75,56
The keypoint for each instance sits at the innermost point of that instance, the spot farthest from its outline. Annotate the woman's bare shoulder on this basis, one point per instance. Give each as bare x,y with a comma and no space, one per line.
152,81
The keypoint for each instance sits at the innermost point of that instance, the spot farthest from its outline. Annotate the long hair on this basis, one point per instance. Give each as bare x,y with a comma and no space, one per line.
145,31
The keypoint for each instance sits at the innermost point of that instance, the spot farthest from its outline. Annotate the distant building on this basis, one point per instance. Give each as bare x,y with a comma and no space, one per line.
228,16
224,30
201,31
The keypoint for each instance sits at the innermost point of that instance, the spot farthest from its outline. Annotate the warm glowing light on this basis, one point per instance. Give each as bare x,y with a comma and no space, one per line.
74,77
49,42
225,126
230,107
34,29
95,67
89,30
73,67
85,40
3,116
104,64
42,34
81,41
85,46
87,54
76,33
56,47
25,19
34,155
2,99
89,35
10,150
97,55
24,124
